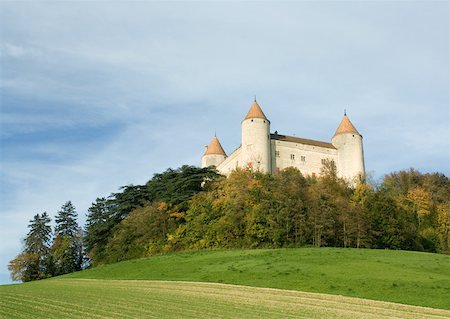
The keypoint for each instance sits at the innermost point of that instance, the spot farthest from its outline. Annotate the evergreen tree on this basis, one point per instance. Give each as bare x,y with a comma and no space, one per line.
101,219
67,247
34,262
175,187
66,221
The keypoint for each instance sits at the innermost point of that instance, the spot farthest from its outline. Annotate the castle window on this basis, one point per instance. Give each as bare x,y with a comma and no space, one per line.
323,161
277,153
303,158
292,157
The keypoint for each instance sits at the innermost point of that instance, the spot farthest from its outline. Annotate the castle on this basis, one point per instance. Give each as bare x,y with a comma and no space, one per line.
269,153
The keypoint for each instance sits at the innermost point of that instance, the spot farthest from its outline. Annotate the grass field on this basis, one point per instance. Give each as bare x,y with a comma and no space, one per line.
413,278
196,285
91,298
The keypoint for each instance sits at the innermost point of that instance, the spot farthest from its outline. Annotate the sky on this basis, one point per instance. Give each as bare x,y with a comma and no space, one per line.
95,95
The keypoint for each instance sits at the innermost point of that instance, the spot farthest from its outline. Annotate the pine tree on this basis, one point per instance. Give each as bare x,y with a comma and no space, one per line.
101,219
67,246
66,221
34,262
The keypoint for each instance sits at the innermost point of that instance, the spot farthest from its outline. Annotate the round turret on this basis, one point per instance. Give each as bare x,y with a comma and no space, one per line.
255,149
214,154
349,145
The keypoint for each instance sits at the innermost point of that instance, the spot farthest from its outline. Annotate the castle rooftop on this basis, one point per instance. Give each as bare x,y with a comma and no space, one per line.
255,112
346,127
299,140
214,148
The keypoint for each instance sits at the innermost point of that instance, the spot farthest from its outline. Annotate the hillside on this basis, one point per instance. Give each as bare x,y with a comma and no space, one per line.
310,284
413,278
91,298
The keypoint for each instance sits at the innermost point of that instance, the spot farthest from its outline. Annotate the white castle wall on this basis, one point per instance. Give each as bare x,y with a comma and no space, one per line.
350,162
212,159
231,163
348,156
255,148
307,158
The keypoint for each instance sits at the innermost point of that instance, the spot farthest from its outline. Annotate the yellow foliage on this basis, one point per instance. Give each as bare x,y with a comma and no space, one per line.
420,200
443,214
361,192
170,238
152,249
162,206
254,183
177,215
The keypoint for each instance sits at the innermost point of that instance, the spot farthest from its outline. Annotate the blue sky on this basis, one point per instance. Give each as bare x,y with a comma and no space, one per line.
97,95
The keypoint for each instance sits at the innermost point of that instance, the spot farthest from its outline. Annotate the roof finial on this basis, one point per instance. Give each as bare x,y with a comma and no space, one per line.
345,112
215,133
255,98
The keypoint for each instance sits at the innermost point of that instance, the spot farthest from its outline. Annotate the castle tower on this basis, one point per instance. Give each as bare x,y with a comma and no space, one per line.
214,154
255,149
348,141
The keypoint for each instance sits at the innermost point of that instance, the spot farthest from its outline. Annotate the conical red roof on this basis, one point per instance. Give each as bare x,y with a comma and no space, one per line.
255,112
346,127
215,147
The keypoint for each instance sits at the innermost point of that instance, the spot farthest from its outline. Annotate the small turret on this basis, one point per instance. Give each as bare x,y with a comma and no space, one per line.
256,140
349,145
214,154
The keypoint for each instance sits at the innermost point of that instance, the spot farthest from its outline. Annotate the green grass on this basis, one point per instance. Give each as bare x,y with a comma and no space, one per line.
91,298
170,286
412,278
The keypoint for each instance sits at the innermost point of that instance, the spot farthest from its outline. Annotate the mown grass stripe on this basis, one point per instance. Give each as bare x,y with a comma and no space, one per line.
156,300
34,309
13,312
413,278
175,292
69,306
194,293
190,294
309,298
51,305
93,298
282,302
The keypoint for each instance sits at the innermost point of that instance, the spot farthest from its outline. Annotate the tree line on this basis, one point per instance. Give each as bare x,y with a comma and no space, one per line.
48,254
194,208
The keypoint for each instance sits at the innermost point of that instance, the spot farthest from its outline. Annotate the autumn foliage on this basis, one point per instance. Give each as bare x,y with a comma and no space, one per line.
194,208
409,210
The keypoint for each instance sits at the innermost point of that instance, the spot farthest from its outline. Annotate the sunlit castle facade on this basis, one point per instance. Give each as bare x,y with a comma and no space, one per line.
268,152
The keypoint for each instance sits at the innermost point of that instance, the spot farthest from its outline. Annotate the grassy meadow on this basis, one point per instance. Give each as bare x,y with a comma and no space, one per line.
406,277
278,283
91,298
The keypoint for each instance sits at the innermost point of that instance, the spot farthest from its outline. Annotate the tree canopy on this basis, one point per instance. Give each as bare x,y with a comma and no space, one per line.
253,210
196,208
34,262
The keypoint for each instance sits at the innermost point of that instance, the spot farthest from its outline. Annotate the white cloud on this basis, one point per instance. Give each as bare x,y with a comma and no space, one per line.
15,51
